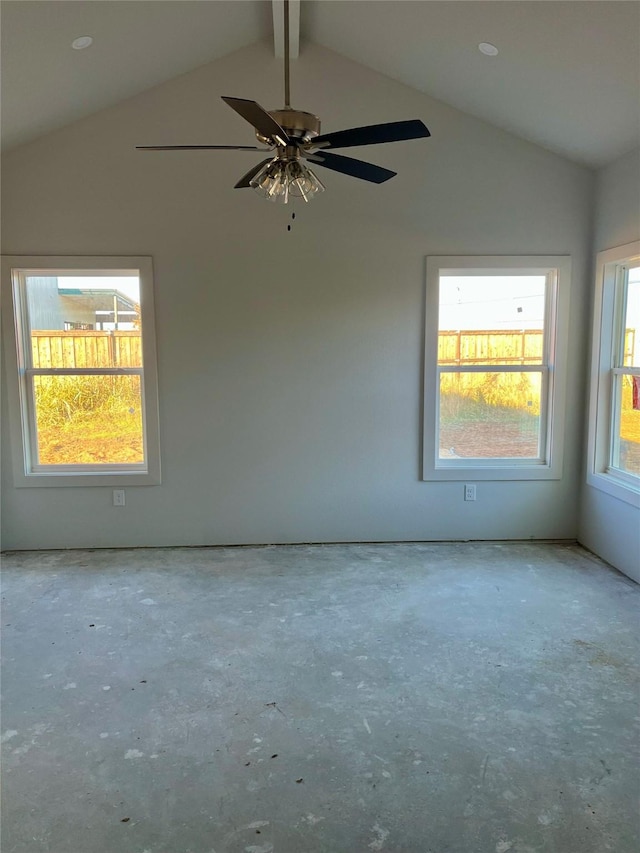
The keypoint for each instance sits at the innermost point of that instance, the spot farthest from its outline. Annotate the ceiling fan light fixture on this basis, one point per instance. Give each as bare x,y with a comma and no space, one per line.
295,137
280,179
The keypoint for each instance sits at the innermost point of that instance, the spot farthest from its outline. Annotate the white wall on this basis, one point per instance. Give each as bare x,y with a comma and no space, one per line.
290,363
608,526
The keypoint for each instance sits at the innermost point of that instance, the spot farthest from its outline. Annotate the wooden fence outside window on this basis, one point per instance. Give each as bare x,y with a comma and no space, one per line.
85,349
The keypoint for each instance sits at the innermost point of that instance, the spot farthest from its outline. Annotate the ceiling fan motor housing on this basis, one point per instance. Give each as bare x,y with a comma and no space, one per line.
297,124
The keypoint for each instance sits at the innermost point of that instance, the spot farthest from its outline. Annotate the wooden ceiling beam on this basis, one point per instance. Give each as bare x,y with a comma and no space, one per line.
278,28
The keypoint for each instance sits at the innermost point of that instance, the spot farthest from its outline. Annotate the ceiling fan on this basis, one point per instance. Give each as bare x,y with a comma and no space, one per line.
295,137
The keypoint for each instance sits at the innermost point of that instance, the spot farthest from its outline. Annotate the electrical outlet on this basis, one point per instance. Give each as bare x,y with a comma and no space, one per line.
118,497
469,492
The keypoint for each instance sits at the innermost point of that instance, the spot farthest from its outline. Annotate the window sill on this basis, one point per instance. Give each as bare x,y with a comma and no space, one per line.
615,487
497,472
76,479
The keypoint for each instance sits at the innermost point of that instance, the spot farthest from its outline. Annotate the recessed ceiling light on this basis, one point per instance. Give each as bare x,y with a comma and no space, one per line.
487,48
82,42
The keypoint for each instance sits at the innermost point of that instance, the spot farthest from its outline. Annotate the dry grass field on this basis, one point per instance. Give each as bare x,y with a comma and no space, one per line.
89,420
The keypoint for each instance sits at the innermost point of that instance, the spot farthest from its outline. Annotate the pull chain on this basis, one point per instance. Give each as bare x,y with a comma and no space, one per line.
293,216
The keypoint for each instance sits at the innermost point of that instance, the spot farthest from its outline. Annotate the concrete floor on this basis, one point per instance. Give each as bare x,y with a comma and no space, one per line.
468,698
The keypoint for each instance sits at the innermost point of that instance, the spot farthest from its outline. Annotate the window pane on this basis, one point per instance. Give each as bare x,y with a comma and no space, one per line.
632,320
89,321
491,319
490,415
626,445
88,420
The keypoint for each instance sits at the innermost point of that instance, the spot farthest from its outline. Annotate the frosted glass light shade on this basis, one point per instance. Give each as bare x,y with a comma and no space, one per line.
280,180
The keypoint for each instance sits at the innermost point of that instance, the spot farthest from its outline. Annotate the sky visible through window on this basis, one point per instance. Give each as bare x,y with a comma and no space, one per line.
491,302
128,285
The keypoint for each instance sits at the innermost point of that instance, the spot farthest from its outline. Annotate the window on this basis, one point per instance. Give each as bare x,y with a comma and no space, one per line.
614,423
495,356
81,358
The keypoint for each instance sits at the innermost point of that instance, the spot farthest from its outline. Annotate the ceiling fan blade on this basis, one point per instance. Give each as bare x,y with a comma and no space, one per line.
245,180
259,118
349,166
199,148
373,134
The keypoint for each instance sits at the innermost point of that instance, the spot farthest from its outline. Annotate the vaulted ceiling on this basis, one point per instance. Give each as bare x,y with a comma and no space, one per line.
567,75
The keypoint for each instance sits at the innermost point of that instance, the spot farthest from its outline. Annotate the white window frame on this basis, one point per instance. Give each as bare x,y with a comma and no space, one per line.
557,269
607,331
20,372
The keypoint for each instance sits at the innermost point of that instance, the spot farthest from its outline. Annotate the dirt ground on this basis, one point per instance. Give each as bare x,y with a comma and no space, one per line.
57,449
487,441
